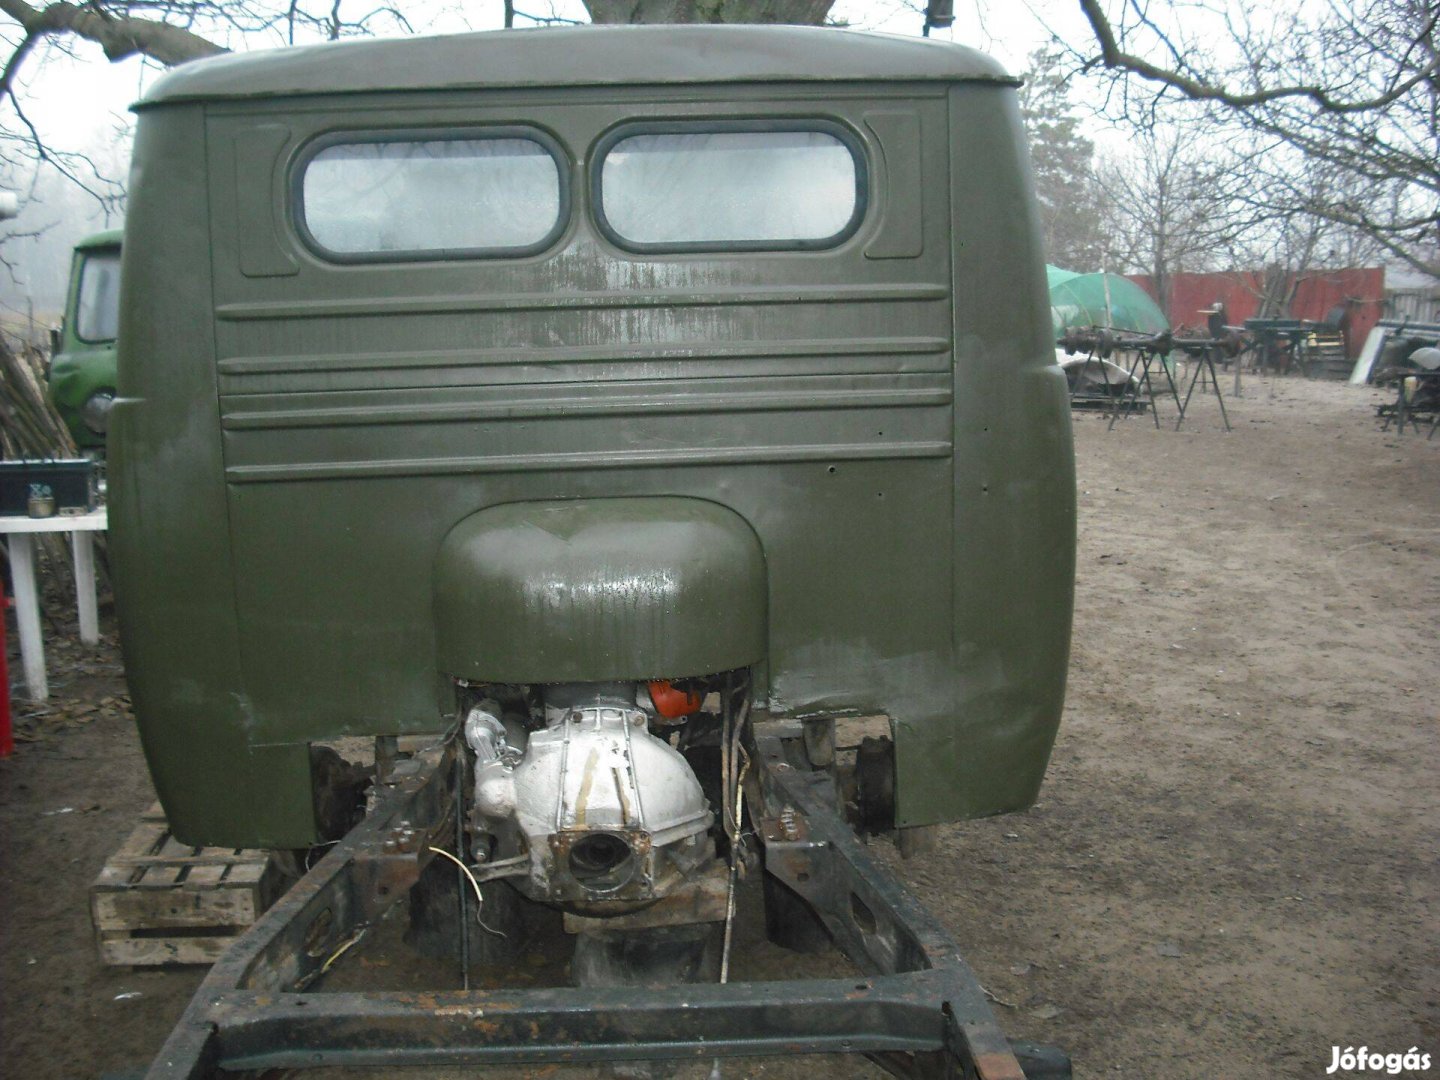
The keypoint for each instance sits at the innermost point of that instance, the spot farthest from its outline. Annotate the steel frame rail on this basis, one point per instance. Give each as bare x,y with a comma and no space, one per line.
919,1012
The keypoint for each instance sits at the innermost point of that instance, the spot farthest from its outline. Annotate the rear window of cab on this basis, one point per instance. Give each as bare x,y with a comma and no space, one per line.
716,186
703,188
372,197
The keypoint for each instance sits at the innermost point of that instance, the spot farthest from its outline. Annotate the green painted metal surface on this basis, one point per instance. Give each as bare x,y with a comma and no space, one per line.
598,590
106,238
296,439
80,367
580,56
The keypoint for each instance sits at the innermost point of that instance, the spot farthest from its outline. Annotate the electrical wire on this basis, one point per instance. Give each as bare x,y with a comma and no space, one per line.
735,862
479,896
341,951
460,885
732,793
731,733
738,761
345,946
310,854
727,705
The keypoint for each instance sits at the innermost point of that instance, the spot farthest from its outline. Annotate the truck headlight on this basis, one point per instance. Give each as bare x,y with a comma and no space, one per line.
96,410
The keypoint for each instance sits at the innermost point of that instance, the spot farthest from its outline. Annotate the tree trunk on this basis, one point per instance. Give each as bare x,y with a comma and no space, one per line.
801,12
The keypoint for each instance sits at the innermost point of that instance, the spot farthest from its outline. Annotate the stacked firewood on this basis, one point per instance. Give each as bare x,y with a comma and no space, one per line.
31,428
29,425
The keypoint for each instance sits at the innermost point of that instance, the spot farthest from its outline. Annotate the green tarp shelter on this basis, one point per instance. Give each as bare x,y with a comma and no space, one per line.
1109,300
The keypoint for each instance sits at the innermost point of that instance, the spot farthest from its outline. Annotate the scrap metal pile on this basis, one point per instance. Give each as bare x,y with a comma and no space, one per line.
1408,360
1095,379
1283,345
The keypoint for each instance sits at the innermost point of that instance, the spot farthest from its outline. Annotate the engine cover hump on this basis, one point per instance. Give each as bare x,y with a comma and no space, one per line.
599,589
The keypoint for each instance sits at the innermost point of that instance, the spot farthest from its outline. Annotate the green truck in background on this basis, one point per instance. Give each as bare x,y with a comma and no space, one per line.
82,366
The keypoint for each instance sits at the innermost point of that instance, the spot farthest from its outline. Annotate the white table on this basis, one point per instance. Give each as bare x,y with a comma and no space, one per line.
27,595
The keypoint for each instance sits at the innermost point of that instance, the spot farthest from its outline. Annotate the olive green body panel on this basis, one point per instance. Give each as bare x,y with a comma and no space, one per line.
169,535
883,417
81,368
599,590
367,410
585,56
1014,522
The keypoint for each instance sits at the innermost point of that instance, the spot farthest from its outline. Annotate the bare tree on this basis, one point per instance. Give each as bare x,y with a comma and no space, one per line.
1167,209
1354,87
1275,230
1068,192
806,12
170,32
165,32
112,26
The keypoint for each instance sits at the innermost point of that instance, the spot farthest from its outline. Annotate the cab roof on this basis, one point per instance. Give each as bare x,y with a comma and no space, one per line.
577,56
108,238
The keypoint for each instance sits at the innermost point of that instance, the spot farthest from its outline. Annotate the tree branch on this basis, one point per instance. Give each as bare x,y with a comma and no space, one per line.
1114,57
119,37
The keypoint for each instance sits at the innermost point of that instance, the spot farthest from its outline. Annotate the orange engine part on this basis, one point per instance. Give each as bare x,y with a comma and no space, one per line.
671,702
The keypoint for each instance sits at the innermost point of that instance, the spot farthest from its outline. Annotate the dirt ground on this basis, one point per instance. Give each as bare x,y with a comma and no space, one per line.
1233,866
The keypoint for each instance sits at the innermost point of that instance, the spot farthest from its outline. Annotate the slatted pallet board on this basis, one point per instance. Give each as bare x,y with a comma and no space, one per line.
1328,359
159,901
1105,402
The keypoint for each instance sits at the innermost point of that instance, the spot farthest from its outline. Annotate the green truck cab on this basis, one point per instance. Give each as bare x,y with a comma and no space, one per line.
609,418
82,366
511,362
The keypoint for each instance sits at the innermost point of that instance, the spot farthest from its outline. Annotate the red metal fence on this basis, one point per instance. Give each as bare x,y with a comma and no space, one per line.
1361,290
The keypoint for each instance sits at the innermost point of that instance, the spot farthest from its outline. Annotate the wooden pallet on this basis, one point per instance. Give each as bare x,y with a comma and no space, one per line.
1328,359
1104,402
159,901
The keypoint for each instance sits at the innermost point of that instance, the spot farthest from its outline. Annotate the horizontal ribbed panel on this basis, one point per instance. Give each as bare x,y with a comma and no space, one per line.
241,414
611,459
579,301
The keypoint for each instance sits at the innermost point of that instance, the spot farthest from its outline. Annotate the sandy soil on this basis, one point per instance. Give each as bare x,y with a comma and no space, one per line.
1233,864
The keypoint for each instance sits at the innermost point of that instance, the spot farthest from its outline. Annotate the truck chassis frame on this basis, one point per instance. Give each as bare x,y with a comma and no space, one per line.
918,1012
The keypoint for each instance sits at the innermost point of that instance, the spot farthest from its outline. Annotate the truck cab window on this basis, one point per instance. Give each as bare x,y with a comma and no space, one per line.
369,199
738,189
97,315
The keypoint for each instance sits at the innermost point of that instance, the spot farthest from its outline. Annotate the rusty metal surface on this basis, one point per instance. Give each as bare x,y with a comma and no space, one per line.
573,1025
700,899
919,1011
322,914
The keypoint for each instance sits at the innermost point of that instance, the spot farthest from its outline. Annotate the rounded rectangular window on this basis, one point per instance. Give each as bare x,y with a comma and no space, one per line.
733,188
374,198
